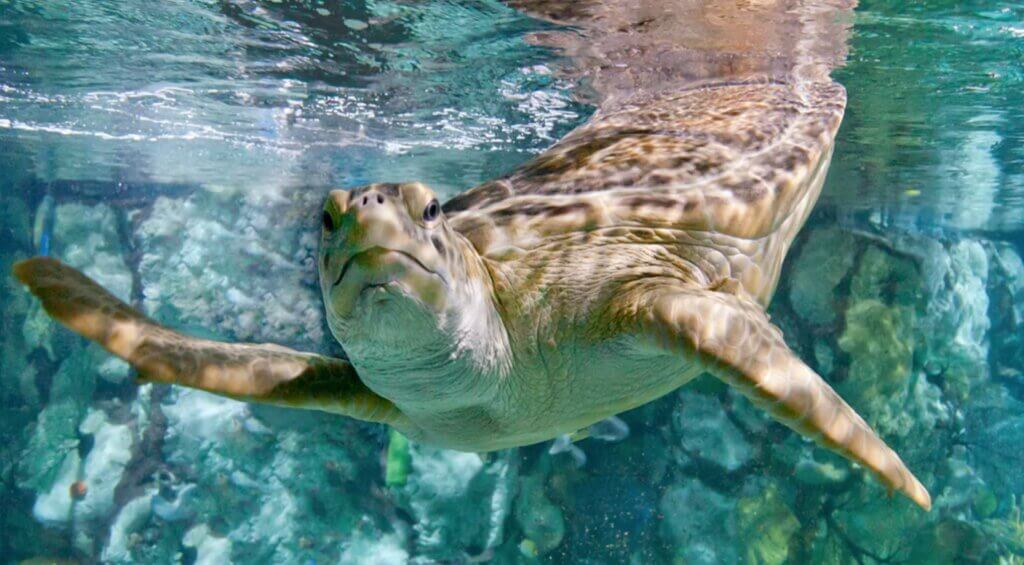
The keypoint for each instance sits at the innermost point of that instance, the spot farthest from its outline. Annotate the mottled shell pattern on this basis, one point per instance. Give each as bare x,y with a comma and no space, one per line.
717,142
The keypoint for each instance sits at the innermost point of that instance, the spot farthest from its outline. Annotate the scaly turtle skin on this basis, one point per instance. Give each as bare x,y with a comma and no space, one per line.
635,254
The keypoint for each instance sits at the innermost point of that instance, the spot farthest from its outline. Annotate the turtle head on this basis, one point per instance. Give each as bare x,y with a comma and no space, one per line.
395,274
384,241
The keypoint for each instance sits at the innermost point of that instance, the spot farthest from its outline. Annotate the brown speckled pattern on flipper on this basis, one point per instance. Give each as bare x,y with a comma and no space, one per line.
735,340
266,373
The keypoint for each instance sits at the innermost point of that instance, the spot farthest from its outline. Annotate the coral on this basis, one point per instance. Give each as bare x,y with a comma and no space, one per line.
953,541
17,230
541,522
879,339
87,238
271,480
904,329
705,430
820,468
131,518
822,264
103,465
17,375
1006,291
698,523
766,526
956,322
1008,531
458,501
56,433
210,549
883,336
54,506
885,276
370,549
233,268
38,330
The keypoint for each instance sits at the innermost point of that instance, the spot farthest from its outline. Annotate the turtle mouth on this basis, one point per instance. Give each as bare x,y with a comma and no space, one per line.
380,251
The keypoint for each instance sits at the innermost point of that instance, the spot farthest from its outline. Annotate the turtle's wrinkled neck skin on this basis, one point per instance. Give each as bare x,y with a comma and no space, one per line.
411,300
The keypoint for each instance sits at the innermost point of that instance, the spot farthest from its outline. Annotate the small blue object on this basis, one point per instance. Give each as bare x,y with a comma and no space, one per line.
46,217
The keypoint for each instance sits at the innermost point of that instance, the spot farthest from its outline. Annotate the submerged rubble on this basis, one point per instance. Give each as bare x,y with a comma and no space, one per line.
921,335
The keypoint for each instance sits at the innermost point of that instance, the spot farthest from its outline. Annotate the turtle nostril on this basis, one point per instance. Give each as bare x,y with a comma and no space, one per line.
380,199
328,221
364,201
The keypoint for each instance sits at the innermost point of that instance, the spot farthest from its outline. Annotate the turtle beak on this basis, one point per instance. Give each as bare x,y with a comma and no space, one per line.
366,219
354,224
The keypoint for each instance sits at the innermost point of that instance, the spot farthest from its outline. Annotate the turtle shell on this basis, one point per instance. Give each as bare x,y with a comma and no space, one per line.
733,158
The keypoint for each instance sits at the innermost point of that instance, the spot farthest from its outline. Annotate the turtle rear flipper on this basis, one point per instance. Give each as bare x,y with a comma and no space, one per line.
258,372
733,339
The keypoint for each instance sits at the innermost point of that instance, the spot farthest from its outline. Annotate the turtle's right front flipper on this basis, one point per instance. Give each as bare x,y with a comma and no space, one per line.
731,336
257,372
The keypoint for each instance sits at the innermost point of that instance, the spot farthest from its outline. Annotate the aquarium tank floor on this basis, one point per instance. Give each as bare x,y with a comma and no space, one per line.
178,152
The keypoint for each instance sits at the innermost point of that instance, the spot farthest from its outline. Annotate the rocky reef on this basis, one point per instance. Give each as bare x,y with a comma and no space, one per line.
921,334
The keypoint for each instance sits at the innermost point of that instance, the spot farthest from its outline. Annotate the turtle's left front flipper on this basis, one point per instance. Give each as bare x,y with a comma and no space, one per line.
733,339
257,372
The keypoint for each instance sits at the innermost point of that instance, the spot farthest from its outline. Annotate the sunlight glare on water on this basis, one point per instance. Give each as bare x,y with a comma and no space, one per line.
271,94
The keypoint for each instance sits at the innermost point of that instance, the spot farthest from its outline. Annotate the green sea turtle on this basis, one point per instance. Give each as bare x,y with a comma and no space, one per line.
637,253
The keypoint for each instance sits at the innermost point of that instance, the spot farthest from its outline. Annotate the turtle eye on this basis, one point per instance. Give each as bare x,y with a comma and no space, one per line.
328,221
432,211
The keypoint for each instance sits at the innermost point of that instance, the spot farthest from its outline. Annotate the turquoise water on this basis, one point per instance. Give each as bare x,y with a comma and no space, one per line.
179,153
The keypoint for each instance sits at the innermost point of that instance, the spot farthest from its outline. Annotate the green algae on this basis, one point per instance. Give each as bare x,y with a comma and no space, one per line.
880,342
881,275
953,541
984,502
541,521
1008,531
399,462
766,525
56,431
